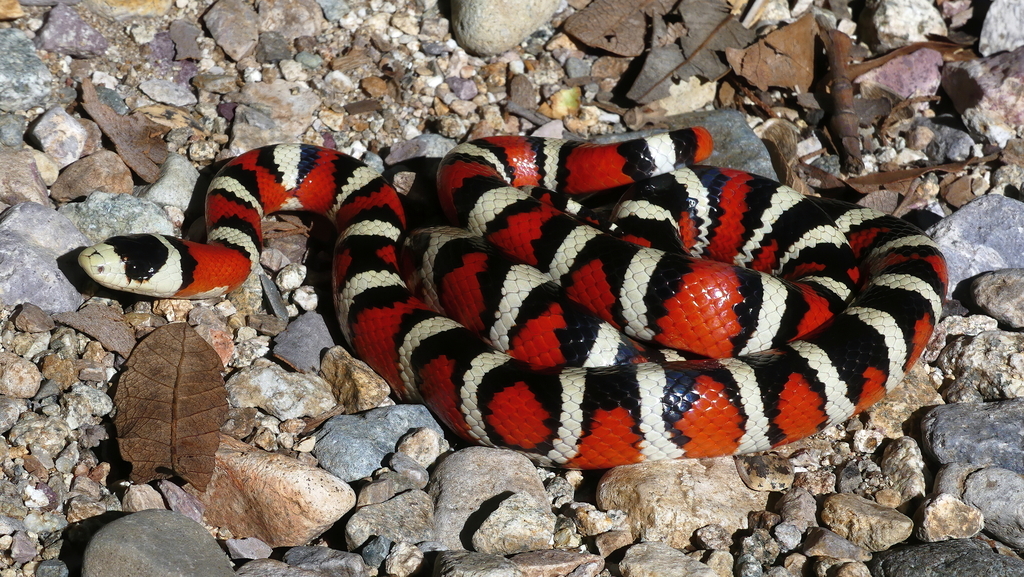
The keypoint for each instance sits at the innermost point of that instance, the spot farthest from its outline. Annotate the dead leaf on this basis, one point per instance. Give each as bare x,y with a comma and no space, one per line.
784,58
950,53
171,403
103,323
138,140
871,182
616,26
710,29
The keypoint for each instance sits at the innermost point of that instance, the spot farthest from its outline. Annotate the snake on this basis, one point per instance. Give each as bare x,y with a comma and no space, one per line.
707,312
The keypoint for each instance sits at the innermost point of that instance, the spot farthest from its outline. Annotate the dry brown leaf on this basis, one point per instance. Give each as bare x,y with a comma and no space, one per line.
950,53
171,403
784,58
103,323
138,140
710,30
871,182
616,26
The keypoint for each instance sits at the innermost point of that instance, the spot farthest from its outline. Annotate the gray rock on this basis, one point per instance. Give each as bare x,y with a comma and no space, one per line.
248,548
949,144
467,564
999,494
168,92
788,536
327,561
976,433
423,146
334,10
274,568
656,559
12,129
1003,28
104,215
24,79
471,480
52,568
1001,295
154,542
303,343
947,559
184,35
234,27
408,468
66,33
273,48
60,135
890,24
984,235
32,237
405,517
354,446
376,550
821,542
487,27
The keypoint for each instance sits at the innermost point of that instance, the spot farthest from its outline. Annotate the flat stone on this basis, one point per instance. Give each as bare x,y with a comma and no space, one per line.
354,446
154,542
32,238
278,499
103,170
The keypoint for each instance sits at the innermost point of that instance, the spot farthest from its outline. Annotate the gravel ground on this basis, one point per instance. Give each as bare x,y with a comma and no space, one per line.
319,472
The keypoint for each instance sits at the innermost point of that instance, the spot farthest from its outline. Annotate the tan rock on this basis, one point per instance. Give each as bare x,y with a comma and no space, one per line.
101,171
864,522
273,497
668,500
10,10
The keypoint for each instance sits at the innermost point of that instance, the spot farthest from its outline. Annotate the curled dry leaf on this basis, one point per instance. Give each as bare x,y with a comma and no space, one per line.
138,140
616,26
171,403
710,29
783,58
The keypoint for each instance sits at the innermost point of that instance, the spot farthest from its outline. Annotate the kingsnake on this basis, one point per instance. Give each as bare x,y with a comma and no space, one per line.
877,277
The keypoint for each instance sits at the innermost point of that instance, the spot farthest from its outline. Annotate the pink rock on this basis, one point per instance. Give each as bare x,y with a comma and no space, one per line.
916,74
989,93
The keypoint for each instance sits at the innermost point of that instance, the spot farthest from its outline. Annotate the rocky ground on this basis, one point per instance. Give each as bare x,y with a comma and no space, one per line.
115,112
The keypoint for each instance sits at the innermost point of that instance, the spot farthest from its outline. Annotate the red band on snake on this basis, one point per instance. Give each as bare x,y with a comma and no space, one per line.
850,306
